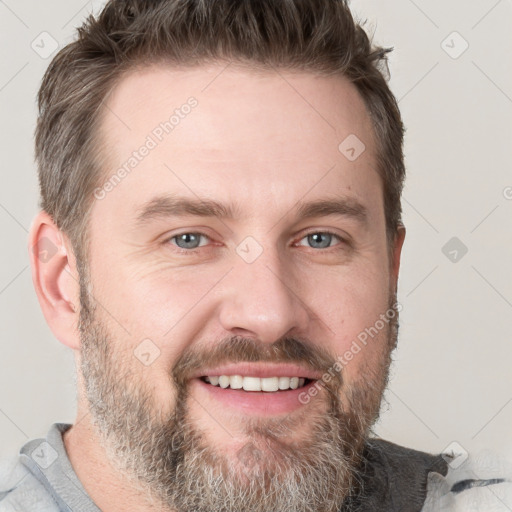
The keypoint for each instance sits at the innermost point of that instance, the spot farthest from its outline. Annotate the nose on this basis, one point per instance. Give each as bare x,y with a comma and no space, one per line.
262,300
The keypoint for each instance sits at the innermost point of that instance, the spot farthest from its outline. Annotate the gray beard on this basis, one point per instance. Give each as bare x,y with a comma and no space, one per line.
169,460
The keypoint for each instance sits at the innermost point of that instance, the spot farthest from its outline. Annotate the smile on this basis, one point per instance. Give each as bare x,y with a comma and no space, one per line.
248,383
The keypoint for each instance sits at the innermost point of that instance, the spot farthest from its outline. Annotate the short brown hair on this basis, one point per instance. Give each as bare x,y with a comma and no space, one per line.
320,36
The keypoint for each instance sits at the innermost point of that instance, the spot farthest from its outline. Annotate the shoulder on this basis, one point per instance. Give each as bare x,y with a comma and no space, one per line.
394,477
403,458
483,481
20,489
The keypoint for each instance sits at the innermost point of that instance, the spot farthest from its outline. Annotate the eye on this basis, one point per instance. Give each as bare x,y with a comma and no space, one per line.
188,240
320,239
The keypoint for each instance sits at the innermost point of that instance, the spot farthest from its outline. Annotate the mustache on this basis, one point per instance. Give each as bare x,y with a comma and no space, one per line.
238,349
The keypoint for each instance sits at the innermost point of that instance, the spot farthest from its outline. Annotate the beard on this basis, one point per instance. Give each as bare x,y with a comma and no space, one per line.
167,457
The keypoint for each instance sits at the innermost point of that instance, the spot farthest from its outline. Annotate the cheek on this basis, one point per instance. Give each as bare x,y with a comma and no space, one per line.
349,298
351,305
162,312
155,301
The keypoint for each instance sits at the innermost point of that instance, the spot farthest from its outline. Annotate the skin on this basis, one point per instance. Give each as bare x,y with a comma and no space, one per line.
261,142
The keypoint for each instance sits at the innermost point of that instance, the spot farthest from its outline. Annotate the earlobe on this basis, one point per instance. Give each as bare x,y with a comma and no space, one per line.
55,278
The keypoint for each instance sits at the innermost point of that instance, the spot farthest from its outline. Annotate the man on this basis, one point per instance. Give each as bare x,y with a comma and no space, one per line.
219,243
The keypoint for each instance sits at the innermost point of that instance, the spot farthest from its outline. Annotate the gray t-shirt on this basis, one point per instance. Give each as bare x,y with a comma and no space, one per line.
42,479
394,479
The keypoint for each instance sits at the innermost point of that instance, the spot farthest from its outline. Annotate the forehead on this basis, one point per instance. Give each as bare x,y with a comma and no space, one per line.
229,130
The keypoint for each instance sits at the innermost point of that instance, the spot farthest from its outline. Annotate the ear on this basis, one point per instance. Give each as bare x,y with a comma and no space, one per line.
396,252
55,278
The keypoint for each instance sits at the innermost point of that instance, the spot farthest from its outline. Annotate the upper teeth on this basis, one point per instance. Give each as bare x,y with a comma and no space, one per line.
255,383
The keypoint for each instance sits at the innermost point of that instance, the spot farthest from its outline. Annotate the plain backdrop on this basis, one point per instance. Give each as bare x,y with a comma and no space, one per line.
451,380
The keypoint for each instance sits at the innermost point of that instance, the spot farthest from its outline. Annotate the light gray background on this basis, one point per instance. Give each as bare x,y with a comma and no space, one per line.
451,380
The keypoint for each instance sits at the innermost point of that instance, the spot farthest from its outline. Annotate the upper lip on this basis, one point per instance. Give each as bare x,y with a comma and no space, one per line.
260,370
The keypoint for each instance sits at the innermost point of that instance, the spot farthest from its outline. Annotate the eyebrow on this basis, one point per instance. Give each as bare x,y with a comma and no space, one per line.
343,206
162,207
177,206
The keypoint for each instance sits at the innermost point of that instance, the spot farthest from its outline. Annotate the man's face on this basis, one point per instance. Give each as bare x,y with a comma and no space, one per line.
264,286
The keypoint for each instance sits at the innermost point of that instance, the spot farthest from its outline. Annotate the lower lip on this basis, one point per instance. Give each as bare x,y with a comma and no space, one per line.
259,403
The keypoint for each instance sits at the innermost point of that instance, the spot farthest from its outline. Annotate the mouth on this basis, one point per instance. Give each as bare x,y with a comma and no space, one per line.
258,390
255,384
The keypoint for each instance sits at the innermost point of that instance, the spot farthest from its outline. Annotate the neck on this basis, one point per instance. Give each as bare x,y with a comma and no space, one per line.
110,490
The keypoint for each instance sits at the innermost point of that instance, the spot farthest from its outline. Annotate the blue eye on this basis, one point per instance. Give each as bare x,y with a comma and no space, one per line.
188,240
316,240
320,240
